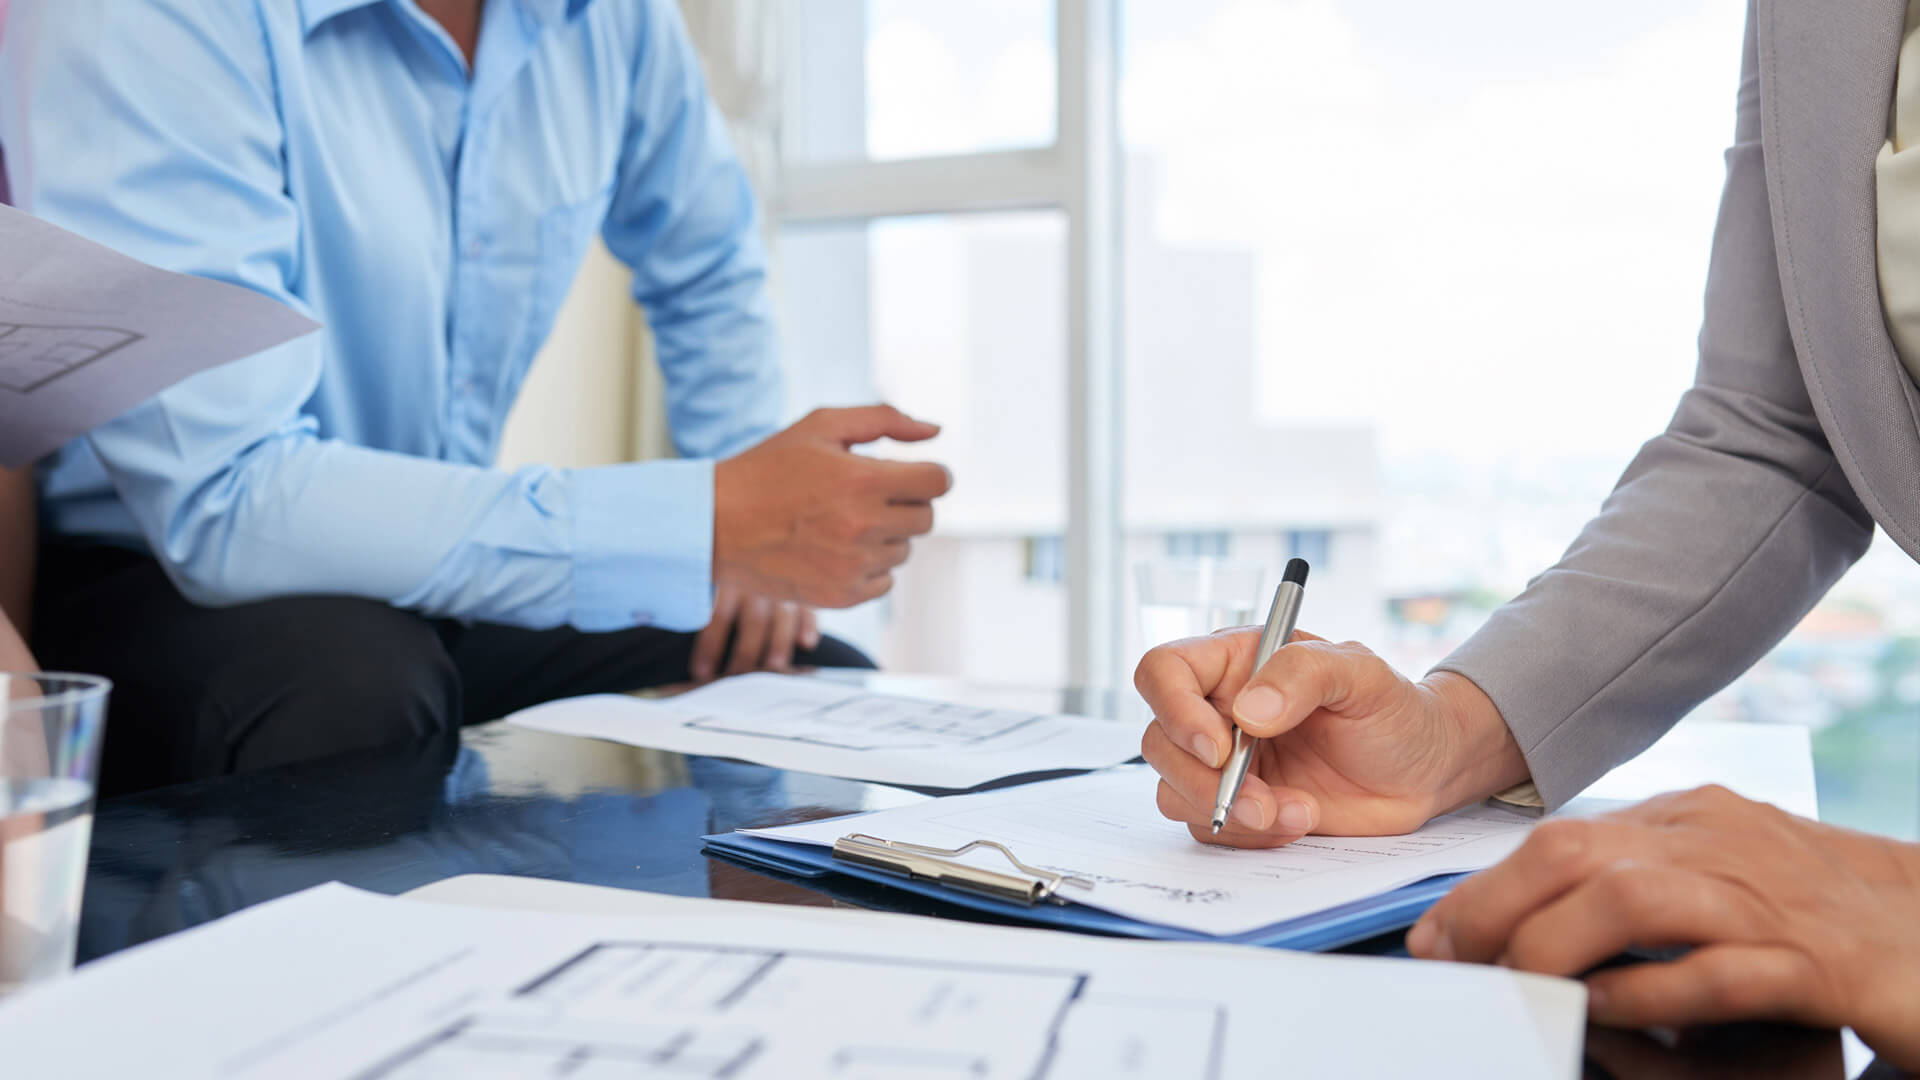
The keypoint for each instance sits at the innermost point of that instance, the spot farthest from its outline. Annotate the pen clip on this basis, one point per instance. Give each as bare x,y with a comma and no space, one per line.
935,864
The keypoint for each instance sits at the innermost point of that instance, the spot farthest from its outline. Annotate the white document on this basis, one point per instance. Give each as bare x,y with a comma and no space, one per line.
1104,828
836,729
334,983
87,333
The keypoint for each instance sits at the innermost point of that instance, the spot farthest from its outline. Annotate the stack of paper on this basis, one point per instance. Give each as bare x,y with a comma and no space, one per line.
334,983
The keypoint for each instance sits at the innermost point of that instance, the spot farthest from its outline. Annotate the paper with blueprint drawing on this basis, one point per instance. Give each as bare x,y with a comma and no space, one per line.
335,983
87,333
839,729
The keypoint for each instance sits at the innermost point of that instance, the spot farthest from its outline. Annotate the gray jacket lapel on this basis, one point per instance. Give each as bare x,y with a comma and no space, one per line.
1826,81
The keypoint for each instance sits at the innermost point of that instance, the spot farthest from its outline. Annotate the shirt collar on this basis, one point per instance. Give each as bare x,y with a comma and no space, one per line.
548,11
315,12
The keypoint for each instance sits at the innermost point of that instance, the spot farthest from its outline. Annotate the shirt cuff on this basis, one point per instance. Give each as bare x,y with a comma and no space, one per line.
643,545
1522,796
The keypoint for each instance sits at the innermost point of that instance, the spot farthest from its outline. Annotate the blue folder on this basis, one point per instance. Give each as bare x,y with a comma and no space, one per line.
1330,929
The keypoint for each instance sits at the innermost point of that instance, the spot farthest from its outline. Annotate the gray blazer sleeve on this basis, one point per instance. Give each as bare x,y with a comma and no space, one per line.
1721,534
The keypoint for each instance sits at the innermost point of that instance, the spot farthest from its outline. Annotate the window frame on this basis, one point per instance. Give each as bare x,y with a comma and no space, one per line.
1079,176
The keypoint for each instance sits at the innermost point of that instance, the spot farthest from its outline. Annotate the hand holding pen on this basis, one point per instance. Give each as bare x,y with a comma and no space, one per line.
1335,741
1281,618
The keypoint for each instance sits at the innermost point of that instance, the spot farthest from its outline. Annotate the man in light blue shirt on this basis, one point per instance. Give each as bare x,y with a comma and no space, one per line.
308,550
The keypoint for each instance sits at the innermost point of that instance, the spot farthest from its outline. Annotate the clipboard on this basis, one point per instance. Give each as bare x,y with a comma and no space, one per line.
1026,894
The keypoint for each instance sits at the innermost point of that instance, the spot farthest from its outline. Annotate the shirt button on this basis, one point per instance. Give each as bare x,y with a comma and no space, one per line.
475,248
643,618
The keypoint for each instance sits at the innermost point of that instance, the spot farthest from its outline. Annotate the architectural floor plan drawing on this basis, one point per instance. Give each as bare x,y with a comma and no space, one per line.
701,1012
87,333
33,356
544,980
863,721
844,729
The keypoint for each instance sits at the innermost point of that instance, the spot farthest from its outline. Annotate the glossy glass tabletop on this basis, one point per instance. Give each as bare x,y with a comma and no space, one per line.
503,800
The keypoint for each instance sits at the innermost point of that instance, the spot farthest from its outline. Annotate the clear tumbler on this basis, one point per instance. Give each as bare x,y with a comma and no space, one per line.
50,730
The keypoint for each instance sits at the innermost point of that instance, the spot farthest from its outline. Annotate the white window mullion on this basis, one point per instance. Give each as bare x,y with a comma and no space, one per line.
1089,147
862,190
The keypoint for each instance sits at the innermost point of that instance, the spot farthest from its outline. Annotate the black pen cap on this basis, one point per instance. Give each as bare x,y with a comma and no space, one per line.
1296,572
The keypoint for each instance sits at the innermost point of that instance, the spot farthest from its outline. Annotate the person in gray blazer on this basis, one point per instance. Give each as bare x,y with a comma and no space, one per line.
1800,433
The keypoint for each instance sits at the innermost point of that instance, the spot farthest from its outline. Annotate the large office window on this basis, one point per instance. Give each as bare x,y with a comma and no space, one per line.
890,80
1453,256
933,238
1403,283
958,319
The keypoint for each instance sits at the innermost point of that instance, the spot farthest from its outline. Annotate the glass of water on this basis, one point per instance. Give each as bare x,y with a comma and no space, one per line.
1181,598
50,729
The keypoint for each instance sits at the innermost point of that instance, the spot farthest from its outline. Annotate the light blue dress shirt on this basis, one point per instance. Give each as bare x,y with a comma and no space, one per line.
335,155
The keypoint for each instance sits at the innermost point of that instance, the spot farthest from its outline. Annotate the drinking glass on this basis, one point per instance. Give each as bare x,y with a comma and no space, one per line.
1182,598
50,729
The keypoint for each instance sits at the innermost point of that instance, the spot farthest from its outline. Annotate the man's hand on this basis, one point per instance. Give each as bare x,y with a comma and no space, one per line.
1789,919
765,635
801,517
1351,746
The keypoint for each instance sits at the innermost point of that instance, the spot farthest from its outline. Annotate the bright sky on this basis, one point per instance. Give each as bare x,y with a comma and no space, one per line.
1481,225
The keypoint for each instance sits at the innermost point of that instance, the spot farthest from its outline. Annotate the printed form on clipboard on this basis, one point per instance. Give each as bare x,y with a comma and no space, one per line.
1107,847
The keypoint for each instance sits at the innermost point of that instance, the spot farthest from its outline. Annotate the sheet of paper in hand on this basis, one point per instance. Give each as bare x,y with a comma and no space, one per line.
87,333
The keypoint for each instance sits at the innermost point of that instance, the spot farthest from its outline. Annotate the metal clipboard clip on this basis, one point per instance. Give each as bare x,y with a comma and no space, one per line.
938,865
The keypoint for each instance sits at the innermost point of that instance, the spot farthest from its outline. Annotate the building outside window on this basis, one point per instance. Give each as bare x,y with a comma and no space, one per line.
1046,560
1313,545
1199,545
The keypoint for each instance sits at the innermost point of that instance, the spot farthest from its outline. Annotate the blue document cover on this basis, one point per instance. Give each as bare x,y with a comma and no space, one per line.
1329,929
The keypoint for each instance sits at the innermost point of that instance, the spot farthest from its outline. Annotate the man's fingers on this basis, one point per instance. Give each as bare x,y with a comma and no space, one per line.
1195,781
1174,806
1475,920
750,635
1178,679
711,642
902,521
1624,905
873,588
1270,815
868,423
809,629
909,482
1710,985
891,554
1306,675
1197,818
782,636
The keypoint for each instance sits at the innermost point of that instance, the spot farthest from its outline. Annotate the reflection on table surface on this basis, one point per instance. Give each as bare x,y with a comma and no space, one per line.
502,800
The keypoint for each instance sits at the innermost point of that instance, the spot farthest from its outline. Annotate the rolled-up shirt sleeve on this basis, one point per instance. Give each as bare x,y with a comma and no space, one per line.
231,484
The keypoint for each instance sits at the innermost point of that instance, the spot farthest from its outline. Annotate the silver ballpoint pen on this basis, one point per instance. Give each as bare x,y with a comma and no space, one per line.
1280,619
